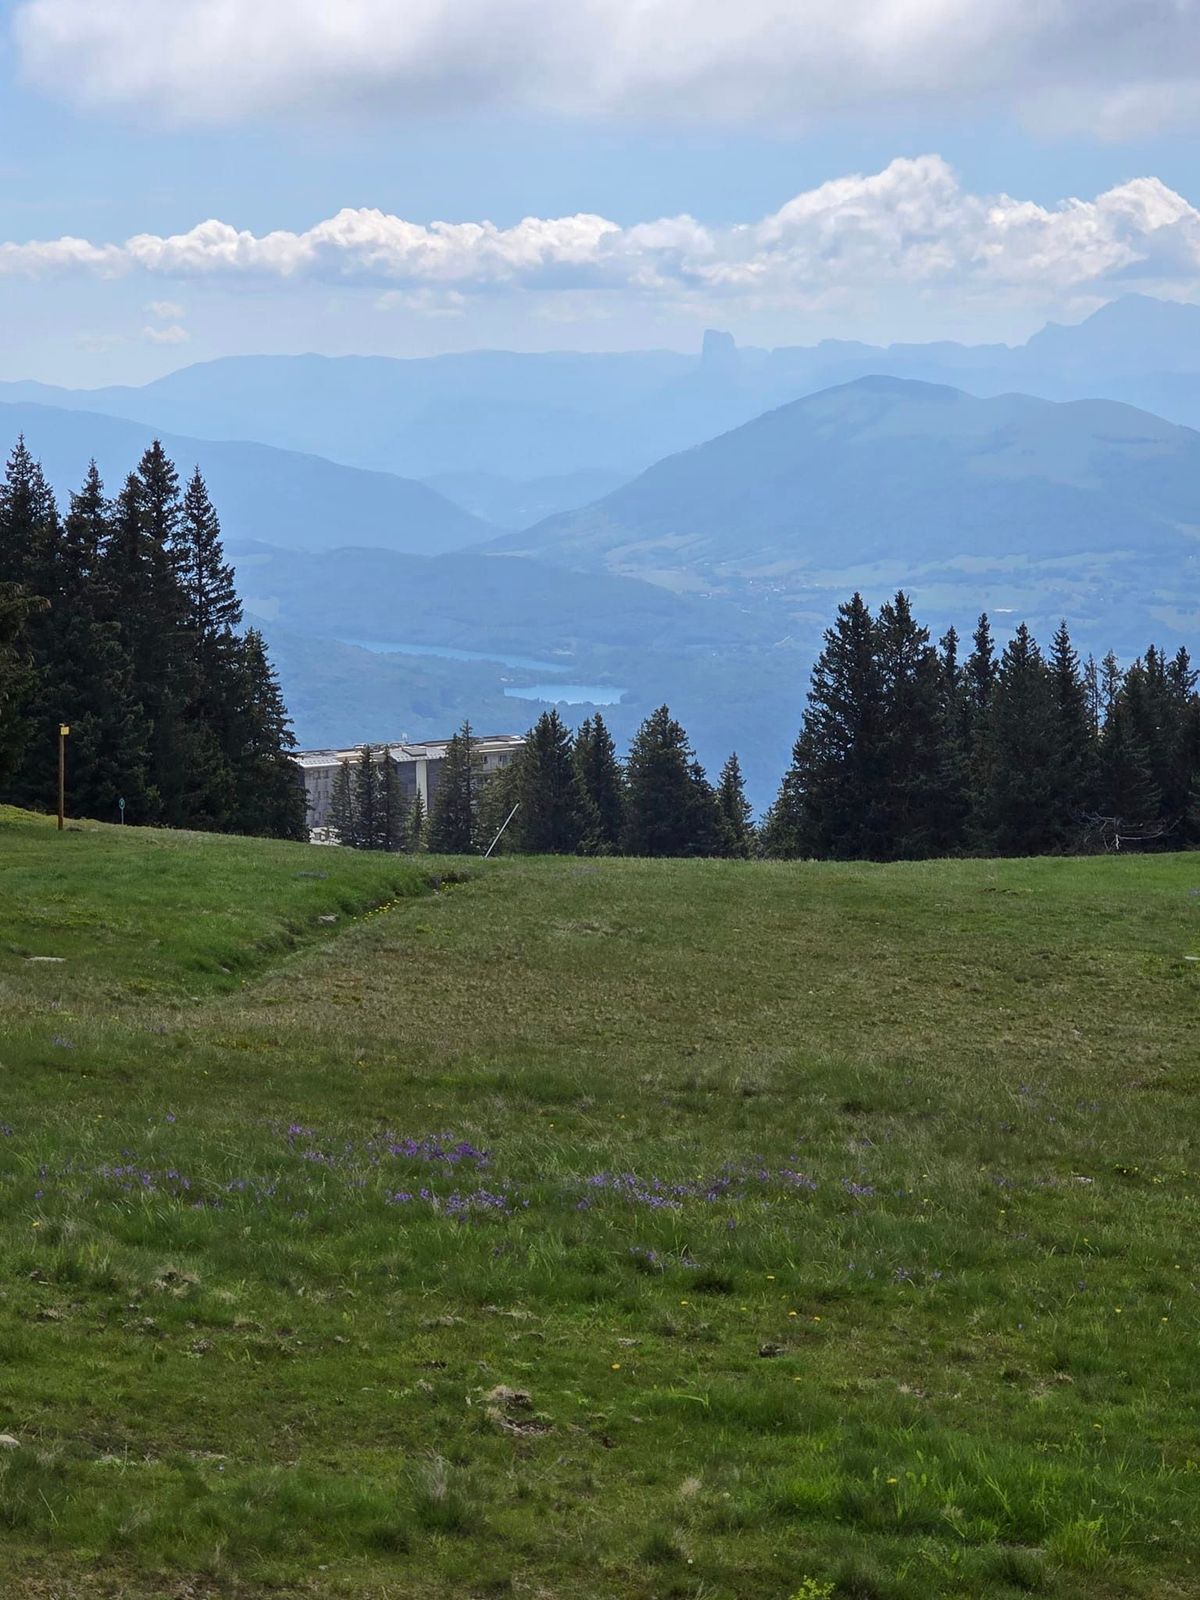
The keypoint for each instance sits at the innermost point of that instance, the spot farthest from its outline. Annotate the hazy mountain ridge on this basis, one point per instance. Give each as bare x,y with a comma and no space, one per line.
542,415
293,499
891,470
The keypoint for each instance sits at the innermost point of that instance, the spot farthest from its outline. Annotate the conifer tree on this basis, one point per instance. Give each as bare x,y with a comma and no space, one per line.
268,797
1130,799
148,600
1073,752
16,677
737,824
416,824
601,787
917,812
392,831
1015,815
1112,676
453,821
341,806
544,788
366,799
666,811
829,802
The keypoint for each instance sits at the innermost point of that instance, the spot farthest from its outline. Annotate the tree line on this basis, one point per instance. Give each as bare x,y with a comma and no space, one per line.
120,619
908,749
563,793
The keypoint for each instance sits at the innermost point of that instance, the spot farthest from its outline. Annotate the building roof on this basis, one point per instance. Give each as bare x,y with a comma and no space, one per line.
407,750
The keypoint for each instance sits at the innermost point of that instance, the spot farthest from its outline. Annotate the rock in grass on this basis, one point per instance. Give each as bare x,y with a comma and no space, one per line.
9,1441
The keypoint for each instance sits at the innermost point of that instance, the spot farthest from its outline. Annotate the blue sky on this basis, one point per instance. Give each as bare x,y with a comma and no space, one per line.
909,169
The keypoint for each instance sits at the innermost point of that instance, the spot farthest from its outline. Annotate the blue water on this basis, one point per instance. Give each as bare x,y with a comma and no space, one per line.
389,648
569,694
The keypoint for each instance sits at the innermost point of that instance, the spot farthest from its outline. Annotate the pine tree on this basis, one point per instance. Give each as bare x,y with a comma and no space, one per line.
1073,775
149,602
1112,676
341,807
916,812
1130,799
17,677
392,831
416,824
1015,814
545,790
366,799
453,820
829,804
666,811
268,797
737,814
30,559
93,672
601,786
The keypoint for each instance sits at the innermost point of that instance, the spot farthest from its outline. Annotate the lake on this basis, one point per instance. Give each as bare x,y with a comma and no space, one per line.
570,694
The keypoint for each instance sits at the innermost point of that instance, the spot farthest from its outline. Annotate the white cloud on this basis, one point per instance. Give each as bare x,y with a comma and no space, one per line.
165,311
1117,66
911,228
173,334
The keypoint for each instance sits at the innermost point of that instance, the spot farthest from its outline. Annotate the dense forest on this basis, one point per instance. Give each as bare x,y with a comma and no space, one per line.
907,750
120,620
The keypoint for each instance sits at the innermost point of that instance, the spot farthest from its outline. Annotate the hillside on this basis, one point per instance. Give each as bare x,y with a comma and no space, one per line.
888,481
831,1287
296,500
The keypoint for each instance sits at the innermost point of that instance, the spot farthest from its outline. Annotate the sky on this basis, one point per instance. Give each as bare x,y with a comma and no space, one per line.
186,179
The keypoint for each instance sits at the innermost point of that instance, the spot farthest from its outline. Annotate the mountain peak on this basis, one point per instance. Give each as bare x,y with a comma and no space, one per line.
719,352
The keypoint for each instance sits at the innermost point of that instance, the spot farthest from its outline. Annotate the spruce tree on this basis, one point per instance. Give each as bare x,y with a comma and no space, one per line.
1073,774
212,615
17,677
31,559
416,824
149,602
94,672
667,813
737,814
341,807
1130,799
268,796
366,799
545,789
917,813
1015,814
453,822
392,830
601,787
829,804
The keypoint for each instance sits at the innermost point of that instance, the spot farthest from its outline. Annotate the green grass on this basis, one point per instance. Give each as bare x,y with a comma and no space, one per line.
836,1234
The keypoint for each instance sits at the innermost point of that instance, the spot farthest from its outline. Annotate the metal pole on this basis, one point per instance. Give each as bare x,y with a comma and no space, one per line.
63,731
498,837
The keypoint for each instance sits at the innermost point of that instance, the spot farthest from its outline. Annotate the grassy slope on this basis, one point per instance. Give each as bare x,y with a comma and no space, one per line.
900,1296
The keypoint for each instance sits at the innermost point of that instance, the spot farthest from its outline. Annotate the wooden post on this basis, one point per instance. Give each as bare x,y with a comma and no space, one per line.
63,731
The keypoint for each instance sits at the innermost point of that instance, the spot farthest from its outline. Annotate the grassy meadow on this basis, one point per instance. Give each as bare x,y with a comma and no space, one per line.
554,1228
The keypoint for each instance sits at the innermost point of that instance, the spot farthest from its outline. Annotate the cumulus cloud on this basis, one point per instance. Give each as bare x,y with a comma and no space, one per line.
173,334
1118,65
911,226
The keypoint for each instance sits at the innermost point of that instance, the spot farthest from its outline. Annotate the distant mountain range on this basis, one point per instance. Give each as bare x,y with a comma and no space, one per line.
466,419
1088,509
296,500
668,527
